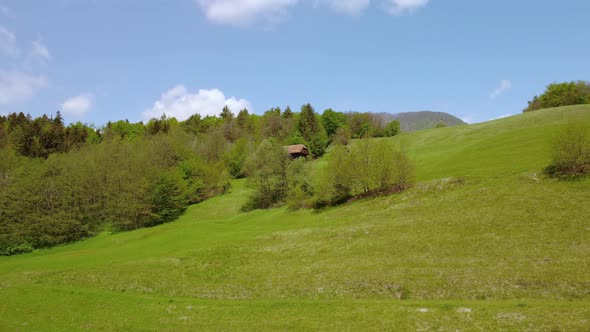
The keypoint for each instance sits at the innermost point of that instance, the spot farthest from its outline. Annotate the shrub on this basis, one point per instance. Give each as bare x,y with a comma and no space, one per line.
370,168
390,170
16,249
441,124
342,136
571,153
267,171
392,128
404,167
300,192
337,182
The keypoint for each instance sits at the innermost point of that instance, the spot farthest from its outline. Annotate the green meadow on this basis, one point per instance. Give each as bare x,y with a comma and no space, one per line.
483,241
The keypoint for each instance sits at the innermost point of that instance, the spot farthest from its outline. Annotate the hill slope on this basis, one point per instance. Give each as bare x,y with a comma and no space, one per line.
482,242
412,121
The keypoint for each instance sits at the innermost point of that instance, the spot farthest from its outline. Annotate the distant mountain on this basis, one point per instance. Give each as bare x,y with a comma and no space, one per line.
412,121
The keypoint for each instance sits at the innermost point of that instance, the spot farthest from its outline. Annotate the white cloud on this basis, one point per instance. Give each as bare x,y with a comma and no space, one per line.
351,7
244,12
400,7
504,86
16,86
8,42
77,106
39,50
179,103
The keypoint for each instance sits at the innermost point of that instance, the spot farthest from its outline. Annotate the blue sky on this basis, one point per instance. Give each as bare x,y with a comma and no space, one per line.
116,59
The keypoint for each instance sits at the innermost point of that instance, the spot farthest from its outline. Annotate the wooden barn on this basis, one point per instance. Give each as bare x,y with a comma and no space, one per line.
297,150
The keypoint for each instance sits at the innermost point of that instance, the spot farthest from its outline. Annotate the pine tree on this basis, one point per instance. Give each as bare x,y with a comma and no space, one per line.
243,119
226,114
287,114
312,130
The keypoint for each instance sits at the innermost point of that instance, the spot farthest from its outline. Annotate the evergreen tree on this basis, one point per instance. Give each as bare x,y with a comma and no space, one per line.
169,197
312,130
226,114
155,126
287,114
193,124
272,124
243,119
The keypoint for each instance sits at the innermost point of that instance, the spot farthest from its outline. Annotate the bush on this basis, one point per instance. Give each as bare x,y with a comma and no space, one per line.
392,128
571,153
341,176
300,192
404,171
370,168
342,136
441,124
267,175
390,170
16,249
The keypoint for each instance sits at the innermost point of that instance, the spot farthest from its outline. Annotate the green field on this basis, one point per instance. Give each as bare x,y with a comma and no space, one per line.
482,242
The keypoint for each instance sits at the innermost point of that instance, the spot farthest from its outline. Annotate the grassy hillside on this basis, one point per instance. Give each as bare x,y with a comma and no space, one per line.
481,242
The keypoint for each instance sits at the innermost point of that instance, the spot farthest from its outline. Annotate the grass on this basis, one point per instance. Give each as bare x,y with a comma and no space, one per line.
502,249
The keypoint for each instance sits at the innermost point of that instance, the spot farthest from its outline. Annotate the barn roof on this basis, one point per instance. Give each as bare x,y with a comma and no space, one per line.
297,148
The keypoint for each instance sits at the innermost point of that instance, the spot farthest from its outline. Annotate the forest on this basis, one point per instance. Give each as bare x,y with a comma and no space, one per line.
64,182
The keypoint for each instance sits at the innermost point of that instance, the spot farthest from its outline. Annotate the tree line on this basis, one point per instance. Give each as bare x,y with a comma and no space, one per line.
561,94
61,183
